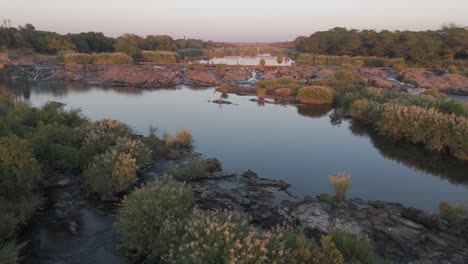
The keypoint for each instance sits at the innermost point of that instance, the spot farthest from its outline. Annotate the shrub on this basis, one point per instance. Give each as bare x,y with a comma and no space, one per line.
193,171
57,147
77,58
160,56
112,58
344,78
373,92
261,93
116,171
151,219
433,95
453,215
359,108
182,139
10,252
355,248
262,63
437,131
315,95
283,92
279,59
100,136
20,173
340,184
225,237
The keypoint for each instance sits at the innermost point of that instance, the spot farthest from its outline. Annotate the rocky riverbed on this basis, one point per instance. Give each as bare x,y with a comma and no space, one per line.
207,75
75,227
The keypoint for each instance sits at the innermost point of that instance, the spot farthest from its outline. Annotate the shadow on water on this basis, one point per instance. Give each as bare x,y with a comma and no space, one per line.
414,156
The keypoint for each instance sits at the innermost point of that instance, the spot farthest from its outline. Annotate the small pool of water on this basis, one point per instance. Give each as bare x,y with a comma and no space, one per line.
301,145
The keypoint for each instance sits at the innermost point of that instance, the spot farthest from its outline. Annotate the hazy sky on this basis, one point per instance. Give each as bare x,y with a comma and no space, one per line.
233,20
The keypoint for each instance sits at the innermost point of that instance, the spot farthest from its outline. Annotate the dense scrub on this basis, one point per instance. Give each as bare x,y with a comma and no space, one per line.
441,46
429,119
158,224
160,56
315,95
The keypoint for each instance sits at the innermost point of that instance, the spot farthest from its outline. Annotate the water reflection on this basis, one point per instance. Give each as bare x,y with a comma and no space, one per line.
314,111
414,156
249,60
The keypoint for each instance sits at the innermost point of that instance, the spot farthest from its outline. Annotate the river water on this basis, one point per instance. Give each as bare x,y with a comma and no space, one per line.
301,145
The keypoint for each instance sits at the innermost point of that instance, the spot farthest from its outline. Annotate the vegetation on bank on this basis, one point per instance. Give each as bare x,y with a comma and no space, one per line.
315,95
159,224
441,47
38,143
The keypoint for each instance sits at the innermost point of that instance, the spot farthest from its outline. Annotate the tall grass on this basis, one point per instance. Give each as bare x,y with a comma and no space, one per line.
112,58
340,183
261,93
182,139
160,56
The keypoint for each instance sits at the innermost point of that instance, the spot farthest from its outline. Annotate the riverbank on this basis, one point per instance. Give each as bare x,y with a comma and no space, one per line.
400,234
166,75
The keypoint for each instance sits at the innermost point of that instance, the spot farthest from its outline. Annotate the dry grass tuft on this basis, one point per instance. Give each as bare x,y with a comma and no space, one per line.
341,185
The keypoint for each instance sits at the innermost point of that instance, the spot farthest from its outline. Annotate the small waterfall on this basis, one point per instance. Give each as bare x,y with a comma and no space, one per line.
250,82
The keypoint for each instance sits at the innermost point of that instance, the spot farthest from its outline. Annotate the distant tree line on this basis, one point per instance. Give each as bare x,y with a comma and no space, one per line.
416,47
90,42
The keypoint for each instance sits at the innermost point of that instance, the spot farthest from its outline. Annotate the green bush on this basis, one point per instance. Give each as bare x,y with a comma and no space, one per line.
315,95
160,56
112,58
193,171
100,136
115,171
454,215
151,220
343,79
57,147
354,248
437,131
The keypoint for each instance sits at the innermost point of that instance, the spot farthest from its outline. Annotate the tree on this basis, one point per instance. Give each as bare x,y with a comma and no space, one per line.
131,45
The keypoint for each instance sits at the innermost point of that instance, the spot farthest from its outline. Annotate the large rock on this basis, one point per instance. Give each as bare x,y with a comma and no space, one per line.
428,79
202,77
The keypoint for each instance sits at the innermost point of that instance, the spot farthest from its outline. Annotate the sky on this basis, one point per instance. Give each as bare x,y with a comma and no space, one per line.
233,20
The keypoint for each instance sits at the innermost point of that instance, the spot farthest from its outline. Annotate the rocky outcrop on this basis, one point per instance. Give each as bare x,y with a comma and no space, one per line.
400,234
202,77
428,79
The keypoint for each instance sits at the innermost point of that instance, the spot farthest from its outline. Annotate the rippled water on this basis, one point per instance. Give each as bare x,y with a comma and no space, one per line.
302,145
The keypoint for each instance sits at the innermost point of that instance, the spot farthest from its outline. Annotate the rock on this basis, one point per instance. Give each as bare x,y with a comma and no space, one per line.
254,180
424,218
201,77
221,102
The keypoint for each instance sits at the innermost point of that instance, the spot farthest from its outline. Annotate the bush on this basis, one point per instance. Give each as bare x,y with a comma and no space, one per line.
100,136
340,184
112,58
10,252
182,139
193,171
315,95
453,215
57,147
160,56
359,108
116,171
151,220
283,92
355,248
225,237
77,58
344,78
437,131
319,82
20,173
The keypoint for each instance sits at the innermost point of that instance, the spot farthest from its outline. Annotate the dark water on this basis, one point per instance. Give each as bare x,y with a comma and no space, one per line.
299,144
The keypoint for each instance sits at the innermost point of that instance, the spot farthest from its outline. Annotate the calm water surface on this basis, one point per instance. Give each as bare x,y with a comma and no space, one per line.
299,144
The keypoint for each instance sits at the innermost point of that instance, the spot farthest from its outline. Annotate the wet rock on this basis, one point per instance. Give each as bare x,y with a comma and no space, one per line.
220,102
256,181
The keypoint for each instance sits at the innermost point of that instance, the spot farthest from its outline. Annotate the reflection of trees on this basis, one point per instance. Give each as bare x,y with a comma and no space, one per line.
316,110
414,156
